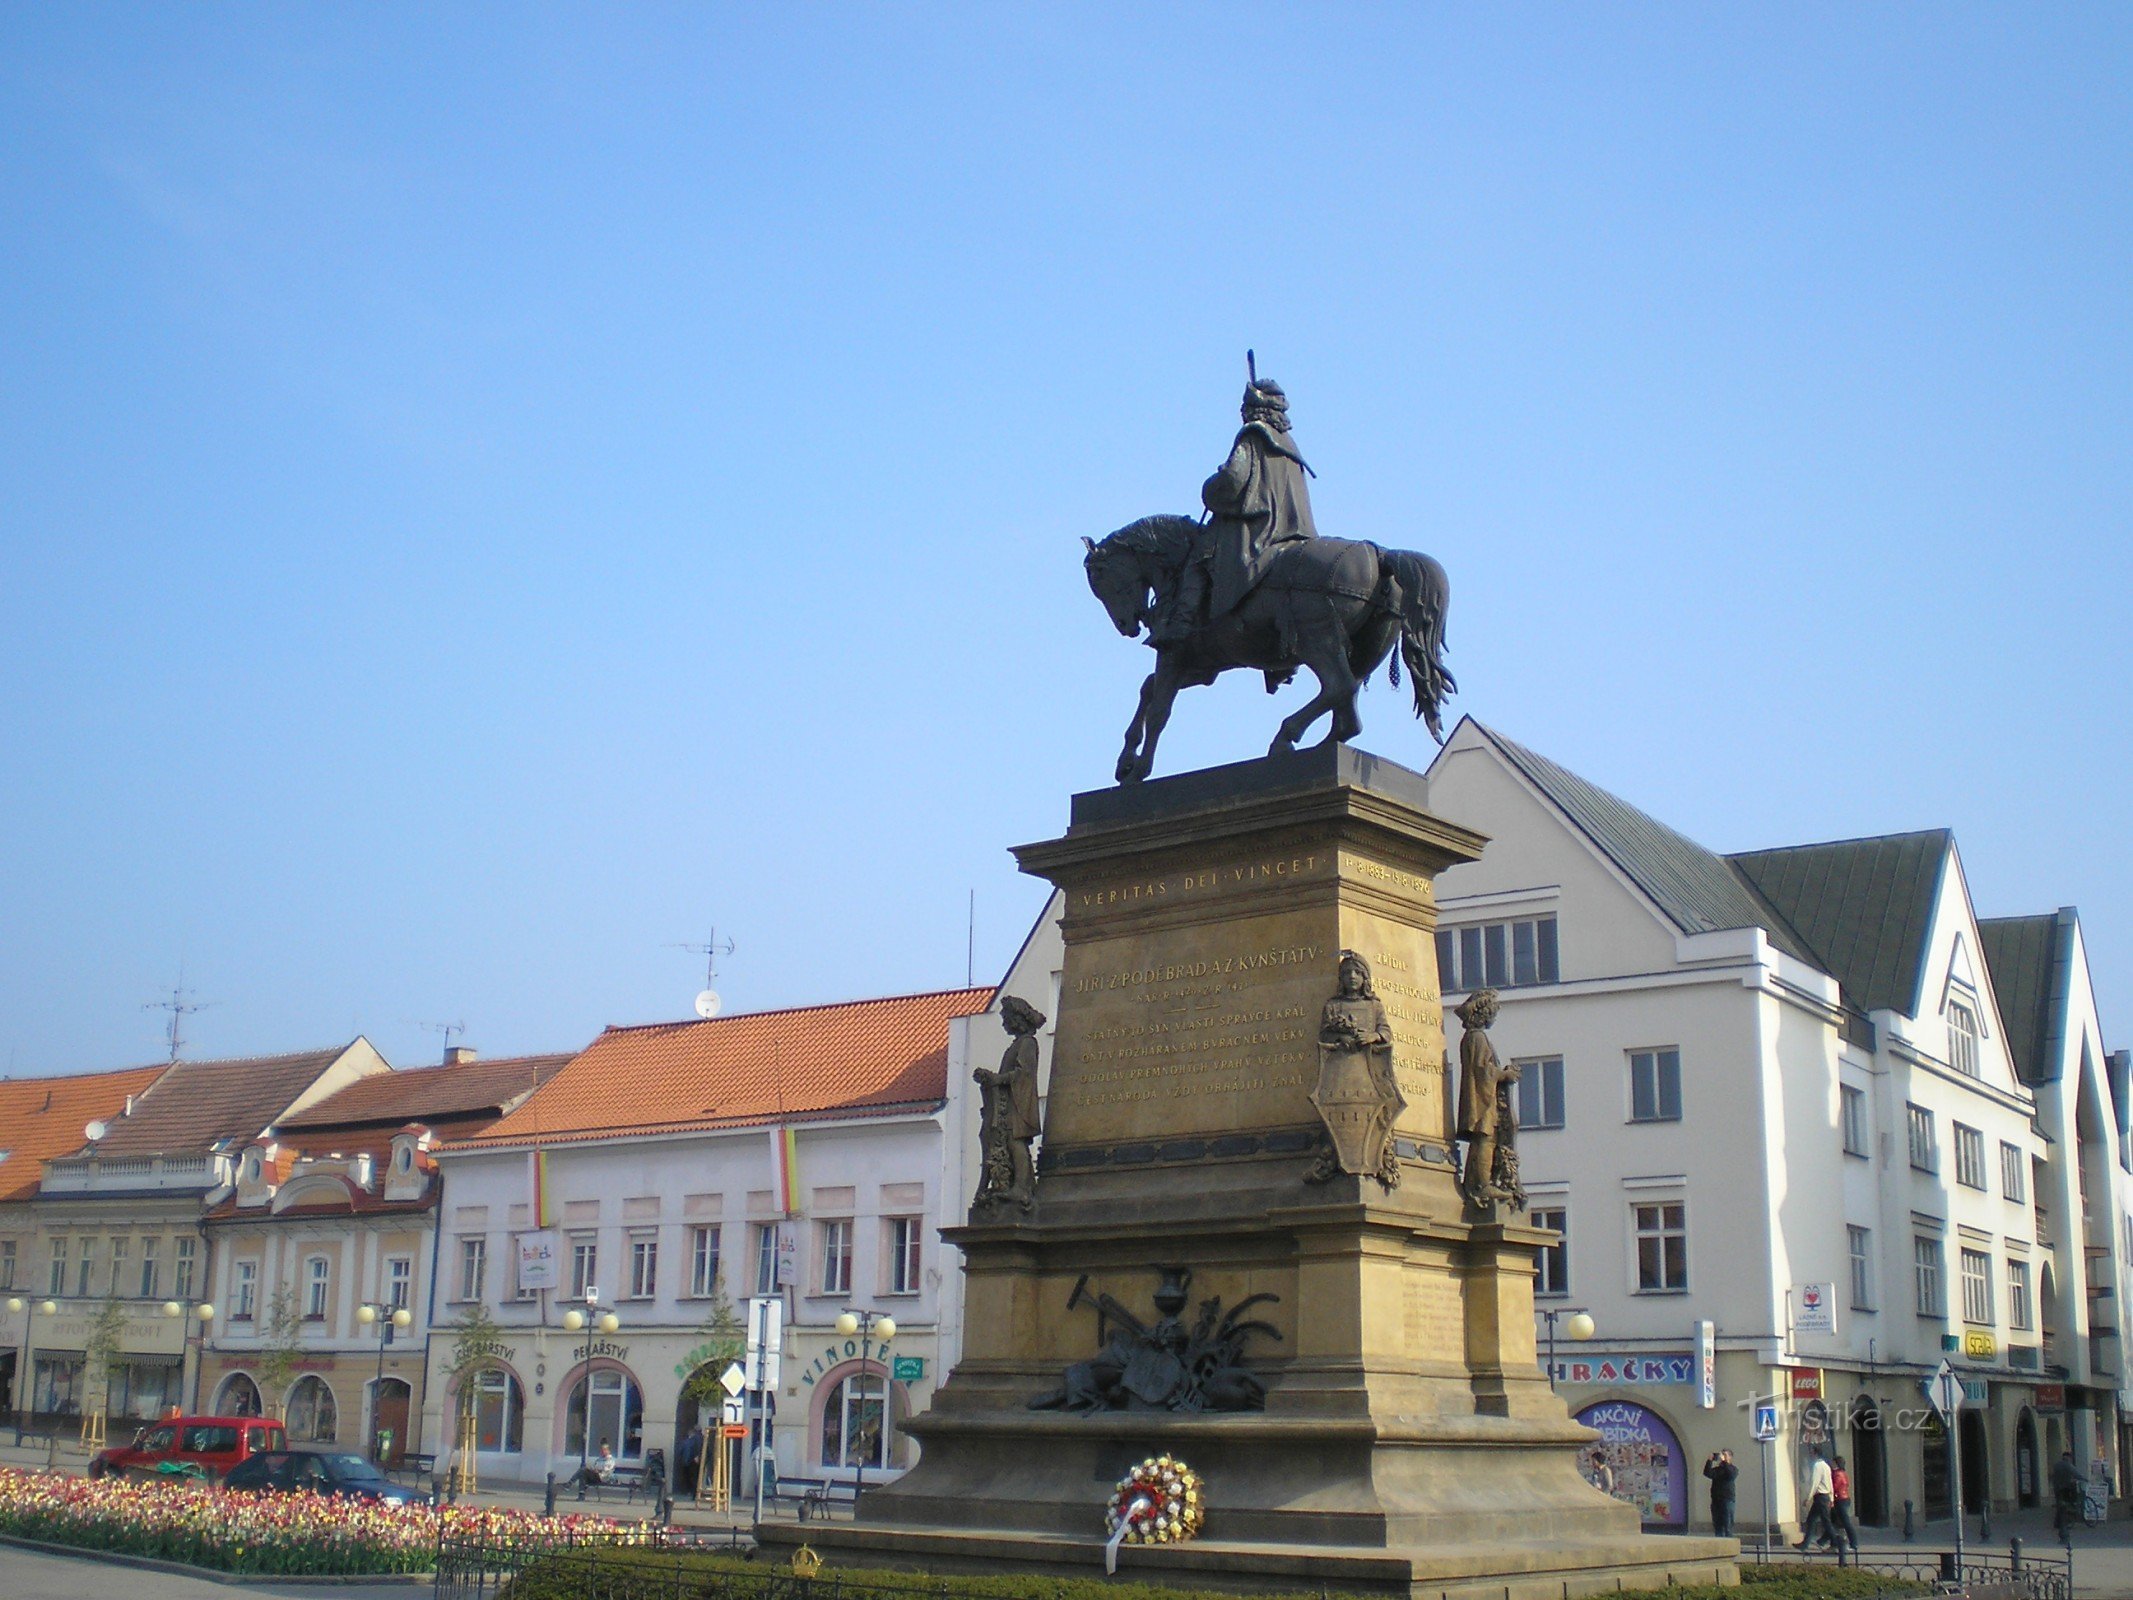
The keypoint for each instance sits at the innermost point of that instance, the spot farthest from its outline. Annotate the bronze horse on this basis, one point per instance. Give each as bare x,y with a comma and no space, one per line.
1334,605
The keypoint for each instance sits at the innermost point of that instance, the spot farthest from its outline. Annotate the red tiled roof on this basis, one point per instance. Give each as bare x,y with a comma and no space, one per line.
762,1067
196,1103
428,1095
44,1117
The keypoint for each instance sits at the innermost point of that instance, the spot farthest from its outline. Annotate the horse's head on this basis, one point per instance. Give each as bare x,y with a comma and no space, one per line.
1141,556
1115,578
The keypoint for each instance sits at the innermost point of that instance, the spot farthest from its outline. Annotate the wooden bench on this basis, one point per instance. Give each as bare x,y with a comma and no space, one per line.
414,1465
632,1481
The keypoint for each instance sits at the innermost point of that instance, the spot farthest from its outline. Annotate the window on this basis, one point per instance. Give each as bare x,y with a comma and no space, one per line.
1854,1104
1977,1286
85,1269
617,1412
121,1258
1655,1086
7,1263
311,1415
1554,1258
836,1256
317,1276
2021,1312
1662,1247
237,1397
852,1431
584,1265
766,1258
474,1267
644,1266
499,1410
1860,1241
2014,1175
905,1260
1925,1267
151,1268
1962,1038
1497,955
399,1283
703,1262
1969,1157
246,1292
183,1251
58,1281
1540,1092
1925,1150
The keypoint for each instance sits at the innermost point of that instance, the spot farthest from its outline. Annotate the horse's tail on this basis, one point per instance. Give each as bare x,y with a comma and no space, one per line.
1427,595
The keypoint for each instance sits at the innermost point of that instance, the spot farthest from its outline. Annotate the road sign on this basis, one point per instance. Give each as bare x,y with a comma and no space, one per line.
1766,1421
734,1379
1945,1390
734,1412
733,1430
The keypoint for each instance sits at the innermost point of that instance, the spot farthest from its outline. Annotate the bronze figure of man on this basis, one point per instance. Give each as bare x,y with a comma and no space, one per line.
1257,501
1483,1107
1009,1120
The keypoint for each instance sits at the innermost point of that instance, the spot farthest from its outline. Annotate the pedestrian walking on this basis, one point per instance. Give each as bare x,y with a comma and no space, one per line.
2066,1494
1600,1475
1819,1485
1842,1529
1724,1476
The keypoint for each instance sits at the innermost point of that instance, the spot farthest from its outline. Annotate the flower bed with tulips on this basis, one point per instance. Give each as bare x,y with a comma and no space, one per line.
263,1533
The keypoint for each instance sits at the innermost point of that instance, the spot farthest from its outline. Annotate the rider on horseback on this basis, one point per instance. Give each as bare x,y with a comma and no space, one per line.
1258,502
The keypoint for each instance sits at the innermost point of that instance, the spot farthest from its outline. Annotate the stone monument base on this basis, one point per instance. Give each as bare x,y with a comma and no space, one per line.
1208,1065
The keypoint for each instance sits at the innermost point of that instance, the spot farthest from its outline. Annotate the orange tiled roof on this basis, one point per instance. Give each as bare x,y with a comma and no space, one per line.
44,1117
757,1068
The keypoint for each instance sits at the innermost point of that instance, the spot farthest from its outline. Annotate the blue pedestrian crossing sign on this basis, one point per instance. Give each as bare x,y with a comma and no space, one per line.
1766,1421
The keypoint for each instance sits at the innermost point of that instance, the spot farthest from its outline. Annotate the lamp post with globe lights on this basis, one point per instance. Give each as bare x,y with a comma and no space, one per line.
871,1325
1578,1324
388,1319
26,1378
592,1320
195,1342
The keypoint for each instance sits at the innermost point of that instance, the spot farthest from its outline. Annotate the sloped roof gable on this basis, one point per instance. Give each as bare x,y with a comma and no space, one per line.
1864,907
2023,955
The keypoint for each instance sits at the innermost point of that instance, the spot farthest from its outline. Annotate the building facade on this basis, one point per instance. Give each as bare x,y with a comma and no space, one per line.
1770,1104
675,1172
334,1214
117,1223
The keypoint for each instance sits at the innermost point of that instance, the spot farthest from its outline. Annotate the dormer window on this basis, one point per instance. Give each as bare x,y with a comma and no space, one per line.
1962,1038
405,1159
251,1166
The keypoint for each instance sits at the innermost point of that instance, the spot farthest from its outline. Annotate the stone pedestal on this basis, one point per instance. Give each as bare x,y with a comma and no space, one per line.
1409,1442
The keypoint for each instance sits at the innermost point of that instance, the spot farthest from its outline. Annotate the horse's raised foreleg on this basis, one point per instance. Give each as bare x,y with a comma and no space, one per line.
1158,693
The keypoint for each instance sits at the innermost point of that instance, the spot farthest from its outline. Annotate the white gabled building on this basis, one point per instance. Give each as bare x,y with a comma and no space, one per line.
1747,1076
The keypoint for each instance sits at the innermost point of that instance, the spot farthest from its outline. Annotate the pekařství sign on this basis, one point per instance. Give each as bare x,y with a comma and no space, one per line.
1642,1370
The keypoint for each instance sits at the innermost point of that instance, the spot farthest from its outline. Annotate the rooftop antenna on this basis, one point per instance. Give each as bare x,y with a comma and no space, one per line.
970,944
707,1002
447,1030
180,1005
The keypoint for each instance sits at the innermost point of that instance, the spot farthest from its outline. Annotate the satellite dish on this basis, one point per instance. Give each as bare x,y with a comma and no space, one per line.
707,1004
94,1131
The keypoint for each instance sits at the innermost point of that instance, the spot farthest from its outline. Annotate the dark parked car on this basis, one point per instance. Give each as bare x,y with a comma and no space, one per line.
334,1472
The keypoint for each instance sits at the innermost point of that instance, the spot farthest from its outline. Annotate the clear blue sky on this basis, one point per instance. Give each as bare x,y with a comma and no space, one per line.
490,492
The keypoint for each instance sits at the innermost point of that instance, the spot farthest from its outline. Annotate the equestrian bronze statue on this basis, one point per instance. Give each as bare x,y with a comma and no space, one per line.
1254,586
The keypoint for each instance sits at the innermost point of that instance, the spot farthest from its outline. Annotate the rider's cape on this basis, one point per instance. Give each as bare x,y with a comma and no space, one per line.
1259,501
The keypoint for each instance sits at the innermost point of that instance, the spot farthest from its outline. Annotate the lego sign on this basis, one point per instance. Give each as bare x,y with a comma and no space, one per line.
1806,1383
1638,1370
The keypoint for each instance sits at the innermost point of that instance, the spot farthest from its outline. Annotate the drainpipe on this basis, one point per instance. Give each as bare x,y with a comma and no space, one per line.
429,1312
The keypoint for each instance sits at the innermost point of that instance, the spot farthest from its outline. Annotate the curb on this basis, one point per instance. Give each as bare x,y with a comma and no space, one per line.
211,1574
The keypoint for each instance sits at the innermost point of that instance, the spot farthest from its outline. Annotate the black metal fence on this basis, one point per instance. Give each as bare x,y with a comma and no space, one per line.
2044,1574
581,1567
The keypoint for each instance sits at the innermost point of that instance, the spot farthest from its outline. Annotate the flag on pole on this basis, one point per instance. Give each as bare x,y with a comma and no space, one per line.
543,1201
785,1170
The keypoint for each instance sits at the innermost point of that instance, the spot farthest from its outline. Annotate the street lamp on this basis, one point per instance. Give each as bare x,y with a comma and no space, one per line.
389,1319
1578,1324
878,1325
592,1319
26,1379
203,1314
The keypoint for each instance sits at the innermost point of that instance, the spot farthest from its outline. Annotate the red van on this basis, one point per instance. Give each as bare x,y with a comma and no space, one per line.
212,1444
